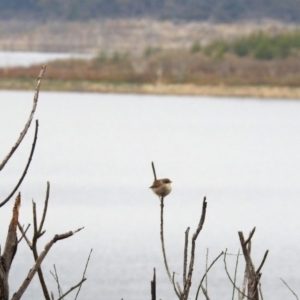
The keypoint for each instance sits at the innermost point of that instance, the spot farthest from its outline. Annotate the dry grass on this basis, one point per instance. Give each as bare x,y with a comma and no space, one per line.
177,72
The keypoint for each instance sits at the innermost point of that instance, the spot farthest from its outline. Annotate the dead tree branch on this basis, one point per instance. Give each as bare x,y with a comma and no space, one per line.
26,168
23,232
10,250
204,290
79,284
27,125
253,276
235,272
290,289
83,275
205,274
185,254
188,282
229,277
55,276
38,262
153,286
163,245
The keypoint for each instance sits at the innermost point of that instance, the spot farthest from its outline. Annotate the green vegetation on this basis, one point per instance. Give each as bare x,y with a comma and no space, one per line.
216,49
196,47
259,45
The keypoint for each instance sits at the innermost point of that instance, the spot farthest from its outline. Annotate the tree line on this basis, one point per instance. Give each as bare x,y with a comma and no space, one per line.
216,10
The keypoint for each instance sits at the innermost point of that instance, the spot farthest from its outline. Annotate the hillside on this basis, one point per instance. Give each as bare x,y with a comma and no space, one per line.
200,10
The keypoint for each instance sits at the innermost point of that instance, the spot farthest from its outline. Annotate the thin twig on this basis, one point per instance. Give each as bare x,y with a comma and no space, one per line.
174,286
162,236
188,282
45,209
206,265
231,279
85,268
289,288
263,261
153,169
163,243
34,223
235,272
250,236
72,288
23,232
205,274
25,237
36,236
33,270
260,292
26,168
27,125
185,255
153,286
241,296
205,292
55,276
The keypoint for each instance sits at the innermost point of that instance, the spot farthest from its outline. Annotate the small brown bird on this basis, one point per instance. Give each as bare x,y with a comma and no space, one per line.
161,187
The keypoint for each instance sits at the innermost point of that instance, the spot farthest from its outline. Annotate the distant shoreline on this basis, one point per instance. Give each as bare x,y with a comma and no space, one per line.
265,92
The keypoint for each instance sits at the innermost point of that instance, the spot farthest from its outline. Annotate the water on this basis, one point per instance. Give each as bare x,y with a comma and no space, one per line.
96,150
25,59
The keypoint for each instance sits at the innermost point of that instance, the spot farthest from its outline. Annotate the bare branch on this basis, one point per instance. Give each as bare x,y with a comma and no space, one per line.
26,168
289,288
55,276
11,243
205,274
262,263
162,236
34,250
241,296
38,262
235,272
45,209
174,286
228,275
86,265
153,286
205,292
72,288
27,125
23,232
186,243
188,283
34,223
250,236
260,292
206,267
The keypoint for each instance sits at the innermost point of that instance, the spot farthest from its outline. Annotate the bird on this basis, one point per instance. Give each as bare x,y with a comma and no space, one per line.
161,187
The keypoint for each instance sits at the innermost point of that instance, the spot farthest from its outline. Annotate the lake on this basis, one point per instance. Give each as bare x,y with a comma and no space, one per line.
96,151
25,59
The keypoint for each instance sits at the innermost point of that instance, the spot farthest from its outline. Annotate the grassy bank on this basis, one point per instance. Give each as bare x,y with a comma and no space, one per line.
192,71
272,92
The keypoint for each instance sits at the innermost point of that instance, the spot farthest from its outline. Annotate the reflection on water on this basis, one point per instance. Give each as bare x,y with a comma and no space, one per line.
96,150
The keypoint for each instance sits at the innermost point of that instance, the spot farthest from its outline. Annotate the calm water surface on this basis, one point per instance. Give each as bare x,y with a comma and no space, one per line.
96,150
19,58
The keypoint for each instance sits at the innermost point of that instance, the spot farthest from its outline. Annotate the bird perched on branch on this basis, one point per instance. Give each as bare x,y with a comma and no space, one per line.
161,187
